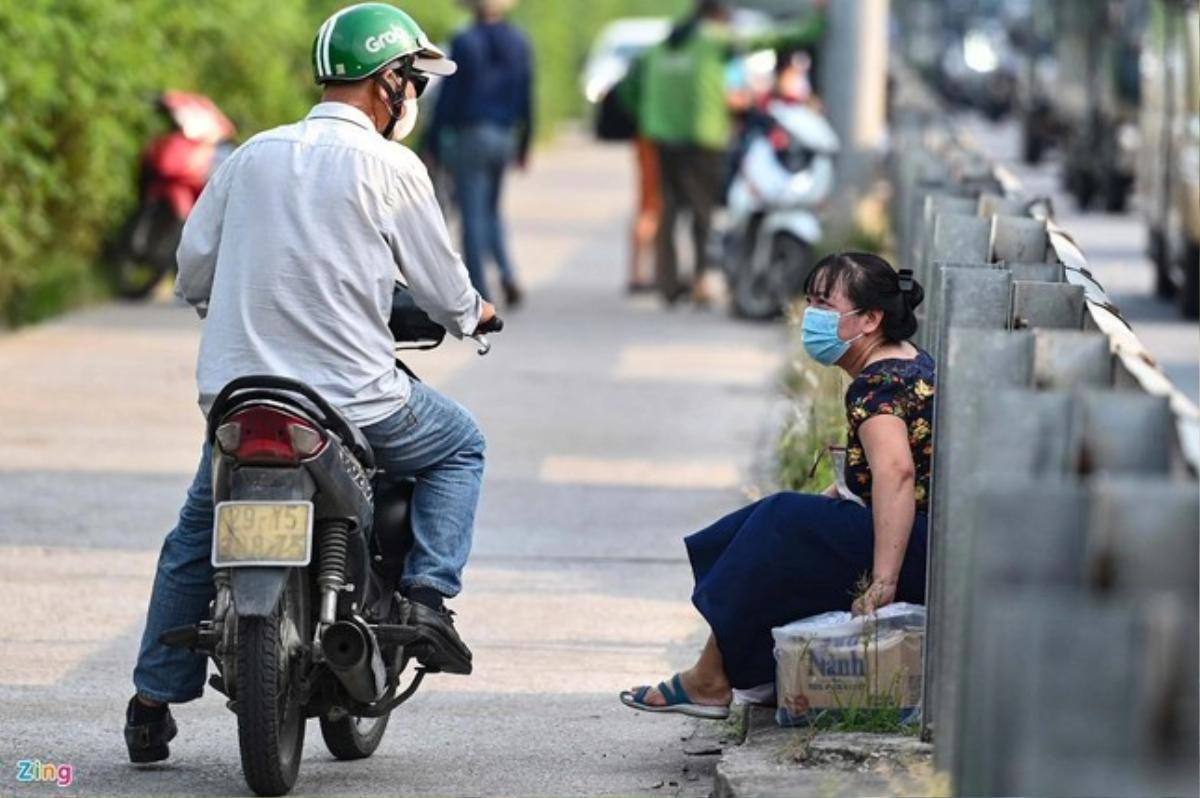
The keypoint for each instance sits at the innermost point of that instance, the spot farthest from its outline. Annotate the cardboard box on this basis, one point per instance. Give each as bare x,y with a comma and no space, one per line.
837,664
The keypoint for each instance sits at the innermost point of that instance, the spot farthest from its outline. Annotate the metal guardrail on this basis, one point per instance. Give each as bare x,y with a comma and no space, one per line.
1065,520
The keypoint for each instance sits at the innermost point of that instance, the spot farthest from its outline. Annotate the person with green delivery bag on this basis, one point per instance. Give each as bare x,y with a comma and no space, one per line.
683,109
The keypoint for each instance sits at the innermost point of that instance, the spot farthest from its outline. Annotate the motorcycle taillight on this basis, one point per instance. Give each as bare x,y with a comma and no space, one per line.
781,140
269,436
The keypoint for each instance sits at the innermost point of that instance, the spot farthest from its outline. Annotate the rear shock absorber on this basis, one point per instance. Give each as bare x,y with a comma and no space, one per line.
331,572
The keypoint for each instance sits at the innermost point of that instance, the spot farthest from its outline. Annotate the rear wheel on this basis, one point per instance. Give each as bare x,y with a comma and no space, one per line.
350,737
270,718
146,251
791,258
754,295
765,294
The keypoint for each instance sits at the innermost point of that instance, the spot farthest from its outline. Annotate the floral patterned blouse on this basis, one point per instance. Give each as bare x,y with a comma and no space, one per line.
902,388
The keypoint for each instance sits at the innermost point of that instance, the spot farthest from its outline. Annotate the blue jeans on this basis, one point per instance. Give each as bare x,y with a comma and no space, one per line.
478,157
431,439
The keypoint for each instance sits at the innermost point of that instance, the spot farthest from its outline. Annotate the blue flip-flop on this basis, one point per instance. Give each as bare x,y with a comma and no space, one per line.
676,699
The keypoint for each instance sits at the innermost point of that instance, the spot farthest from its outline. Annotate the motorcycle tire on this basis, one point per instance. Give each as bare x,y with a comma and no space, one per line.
136,279
754,296
792,259
271,720
350,737
754,293
146,251
765,295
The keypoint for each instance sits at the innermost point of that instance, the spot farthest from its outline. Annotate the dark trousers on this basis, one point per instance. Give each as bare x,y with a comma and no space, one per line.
787,557
691,182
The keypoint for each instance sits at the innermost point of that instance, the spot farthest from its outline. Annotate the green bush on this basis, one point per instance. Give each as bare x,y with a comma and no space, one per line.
78,79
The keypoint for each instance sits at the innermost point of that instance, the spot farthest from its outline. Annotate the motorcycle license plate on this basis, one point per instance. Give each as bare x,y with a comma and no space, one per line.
262,533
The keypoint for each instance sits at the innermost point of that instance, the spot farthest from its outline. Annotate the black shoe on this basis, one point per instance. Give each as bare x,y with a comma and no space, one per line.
513,295
147,732
444,650
672,294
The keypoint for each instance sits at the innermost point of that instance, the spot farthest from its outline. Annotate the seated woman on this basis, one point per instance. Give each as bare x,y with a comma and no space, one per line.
793,555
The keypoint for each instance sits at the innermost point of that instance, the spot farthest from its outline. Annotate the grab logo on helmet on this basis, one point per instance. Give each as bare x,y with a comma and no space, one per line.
393,35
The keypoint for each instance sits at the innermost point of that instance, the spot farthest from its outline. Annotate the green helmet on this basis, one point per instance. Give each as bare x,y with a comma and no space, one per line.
362,39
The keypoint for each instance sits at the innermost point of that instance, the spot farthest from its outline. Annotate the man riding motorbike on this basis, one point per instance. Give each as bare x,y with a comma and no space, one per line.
292,253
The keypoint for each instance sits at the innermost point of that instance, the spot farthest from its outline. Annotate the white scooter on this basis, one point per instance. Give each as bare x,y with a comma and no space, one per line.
786,174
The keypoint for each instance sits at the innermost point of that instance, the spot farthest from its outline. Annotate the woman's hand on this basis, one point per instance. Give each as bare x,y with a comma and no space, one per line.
881,593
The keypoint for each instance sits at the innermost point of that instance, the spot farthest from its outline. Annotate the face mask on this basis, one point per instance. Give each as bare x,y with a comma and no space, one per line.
407,123
819,333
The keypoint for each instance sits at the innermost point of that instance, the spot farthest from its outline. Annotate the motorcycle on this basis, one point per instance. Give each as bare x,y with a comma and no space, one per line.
308,547
174,170
785,175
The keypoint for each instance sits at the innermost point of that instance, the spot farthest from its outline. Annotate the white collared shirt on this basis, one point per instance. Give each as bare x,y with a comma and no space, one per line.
294,247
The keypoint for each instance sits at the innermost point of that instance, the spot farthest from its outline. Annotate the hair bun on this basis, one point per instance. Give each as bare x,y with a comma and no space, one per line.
910,289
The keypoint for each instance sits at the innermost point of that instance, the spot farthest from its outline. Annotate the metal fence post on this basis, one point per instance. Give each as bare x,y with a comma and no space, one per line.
967,295
1048,305
953,238
1144,536
1018,240
1067,358
1074,661
975,361
1125,432
998,205
1037,272
1028,534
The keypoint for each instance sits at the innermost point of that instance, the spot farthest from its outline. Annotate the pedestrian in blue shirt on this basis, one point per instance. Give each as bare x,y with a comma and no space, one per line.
482,124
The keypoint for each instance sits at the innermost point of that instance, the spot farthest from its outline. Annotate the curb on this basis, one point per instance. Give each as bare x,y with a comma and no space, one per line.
774,761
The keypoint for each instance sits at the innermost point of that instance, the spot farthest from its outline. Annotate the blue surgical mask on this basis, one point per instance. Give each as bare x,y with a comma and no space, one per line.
820,335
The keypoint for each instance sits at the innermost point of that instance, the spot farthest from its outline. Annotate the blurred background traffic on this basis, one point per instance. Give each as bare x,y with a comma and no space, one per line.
1109,89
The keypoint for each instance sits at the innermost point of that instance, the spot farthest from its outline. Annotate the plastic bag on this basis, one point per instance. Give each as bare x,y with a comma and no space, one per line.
835,665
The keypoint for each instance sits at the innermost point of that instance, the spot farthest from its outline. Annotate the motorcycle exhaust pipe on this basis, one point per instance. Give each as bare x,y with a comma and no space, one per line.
351,653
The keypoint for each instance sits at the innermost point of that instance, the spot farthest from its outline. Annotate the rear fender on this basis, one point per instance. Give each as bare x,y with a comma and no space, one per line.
256,591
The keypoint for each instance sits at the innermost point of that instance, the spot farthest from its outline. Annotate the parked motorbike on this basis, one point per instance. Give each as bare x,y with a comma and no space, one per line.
785,175
309,544
174,170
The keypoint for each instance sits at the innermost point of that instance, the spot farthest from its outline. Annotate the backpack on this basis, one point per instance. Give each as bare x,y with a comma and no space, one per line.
616,113
613,121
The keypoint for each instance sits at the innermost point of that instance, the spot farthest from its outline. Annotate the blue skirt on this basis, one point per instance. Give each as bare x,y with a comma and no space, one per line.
781,559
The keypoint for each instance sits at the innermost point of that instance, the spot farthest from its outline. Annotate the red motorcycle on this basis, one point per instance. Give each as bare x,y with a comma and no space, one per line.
174,170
